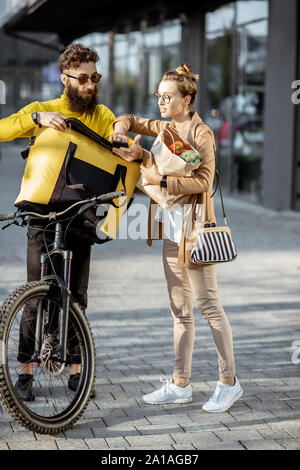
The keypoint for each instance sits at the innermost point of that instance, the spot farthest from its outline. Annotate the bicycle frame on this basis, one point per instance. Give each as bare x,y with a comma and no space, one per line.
64,284
59,249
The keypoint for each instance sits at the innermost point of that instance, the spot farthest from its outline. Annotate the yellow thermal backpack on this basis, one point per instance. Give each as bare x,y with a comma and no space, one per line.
65,167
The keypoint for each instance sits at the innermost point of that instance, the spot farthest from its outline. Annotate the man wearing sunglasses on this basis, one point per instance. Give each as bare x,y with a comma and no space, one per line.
79,77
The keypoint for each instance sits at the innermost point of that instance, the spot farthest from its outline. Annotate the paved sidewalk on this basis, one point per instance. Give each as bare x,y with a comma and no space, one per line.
130,318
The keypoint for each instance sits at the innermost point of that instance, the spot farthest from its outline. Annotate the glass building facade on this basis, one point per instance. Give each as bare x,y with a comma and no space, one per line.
236,53
132,64
233,90
227,47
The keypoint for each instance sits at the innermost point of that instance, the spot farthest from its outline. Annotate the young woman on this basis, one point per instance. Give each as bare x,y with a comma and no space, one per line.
176,96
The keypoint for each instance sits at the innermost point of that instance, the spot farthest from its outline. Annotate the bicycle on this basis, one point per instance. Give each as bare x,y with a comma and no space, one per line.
61,333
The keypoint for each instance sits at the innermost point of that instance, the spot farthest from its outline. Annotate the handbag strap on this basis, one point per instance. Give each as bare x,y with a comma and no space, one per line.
218,185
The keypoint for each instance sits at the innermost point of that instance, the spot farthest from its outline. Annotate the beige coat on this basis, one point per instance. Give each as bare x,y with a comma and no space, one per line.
199,186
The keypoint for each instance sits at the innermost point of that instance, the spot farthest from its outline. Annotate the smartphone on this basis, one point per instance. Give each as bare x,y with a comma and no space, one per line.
118,143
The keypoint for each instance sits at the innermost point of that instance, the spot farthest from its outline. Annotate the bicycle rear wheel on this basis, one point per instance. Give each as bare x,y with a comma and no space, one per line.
55,407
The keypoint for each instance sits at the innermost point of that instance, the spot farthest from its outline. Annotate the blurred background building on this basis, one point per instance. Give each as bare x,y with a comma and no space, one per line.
246,53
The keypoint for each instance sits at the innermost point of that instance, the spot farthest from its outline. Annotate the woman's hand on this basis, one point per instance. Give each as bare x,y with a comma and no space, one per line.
151,174
119,137
119,128
120,133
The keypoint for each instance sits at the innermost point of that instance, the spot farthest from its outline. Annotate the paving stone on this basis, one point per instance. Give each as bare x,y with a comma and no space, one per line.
288,415
183,447
273,433
262,444
123,423
71,444
164,419
238,435
115,389
196,437
107,402
80,431
293,403
152,448
290,444
49,437
204,427
8,434
267,405
91,413
158,429
5,419
5,430
292,381
117,442
218,445
151,440
102,413
119,428
251,415
96,444
32,445
100,380
121,401
142,411
290,426
201,417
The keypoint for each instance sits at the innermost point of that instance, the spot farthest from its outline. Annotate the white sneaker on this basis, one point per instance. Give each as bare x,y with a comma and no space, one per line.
169,393
223,397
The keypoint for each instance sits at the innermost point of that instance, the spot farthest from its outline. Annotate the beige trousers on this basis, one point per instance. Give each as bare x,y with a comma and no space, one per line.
181,283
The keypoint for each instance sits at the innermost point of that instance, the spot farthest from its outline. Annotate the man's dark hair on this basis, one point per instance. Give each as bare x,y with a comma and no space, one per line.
75,54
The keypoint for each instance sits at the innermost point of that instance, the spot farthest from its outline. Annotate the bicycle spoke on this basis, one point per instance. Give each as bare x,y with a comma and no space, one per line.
51,390
54,407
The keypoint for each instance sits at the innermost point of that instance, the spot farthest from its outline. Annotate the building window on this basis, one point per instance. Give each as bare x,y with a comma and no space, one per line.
236,50
139,60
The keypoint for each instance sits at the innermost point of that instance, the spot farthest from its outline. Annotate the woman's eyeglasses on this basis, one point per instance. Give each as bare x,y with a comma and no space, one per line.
165,98
83,79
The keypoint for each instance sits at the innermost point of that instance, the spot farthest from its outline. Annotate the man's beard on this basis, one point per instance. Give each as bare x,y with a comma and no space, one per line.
80,104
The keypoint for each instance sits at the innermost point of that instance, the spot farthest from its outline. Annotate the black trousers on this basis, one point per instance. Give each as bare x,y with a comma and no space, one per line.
79,283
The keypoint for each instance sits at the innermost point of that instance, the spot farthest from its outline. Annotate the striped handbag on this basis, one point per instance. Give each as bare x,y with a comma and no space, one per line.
214,244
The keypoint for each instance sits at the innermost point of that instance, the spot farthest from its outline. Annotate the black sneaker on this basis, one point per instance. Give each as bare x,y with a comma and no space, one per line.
73,384
24,387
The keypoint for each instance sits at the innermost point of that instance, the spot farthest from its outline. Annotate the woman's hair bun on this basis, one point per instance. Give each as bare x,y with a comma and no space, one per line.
186,69
186,80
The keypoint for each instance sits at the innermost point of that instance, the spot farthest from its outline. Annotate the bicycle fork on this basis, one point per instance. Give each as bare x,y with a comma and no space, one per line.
63,319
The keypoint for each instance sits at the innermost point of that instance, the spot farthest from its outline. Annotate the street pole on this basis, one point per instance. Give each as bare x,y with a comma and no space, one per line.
233,99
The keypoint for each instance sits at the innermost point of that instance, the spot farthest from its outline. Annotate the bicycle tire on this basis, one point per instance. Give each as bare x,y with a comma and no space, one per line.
14,405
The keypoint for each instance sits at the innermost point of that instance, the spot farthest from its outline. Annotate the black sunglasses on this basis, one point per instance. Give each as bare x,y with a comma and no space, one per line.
83,79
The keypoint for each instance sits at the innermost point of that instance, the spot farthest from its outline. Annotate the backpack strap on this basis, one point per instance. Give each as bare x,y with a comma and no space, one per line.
81,128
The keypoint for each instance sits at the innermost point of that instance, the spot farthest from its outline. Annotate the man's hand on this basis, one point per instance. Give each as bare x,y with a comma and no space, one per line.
129,154
54,120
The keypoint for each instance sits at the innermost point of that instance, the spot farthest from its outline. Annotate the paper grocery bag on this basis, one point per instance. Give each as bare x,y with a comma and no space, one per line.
168,163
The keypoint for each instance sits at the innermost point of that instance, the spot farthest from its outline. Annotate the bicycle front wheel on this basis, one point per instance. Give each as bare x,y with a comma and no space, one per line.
54,407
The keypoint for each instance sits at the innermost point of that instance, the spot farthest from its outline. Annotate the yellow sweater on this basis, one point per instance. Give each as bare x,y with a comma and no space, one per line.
21,124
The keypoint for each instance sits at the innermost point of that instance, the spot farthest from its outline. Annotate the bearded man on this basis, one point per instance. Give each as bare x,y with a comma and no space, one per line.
79,76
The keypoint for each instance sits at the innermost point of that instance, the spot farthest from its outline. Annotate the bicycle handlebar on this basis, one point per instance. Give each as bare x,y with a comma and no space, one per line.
6,217
96,199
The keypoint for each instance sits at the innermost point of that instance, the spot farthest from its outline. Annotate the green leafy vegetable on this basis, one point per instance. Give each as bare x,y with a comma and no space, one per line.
190,156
